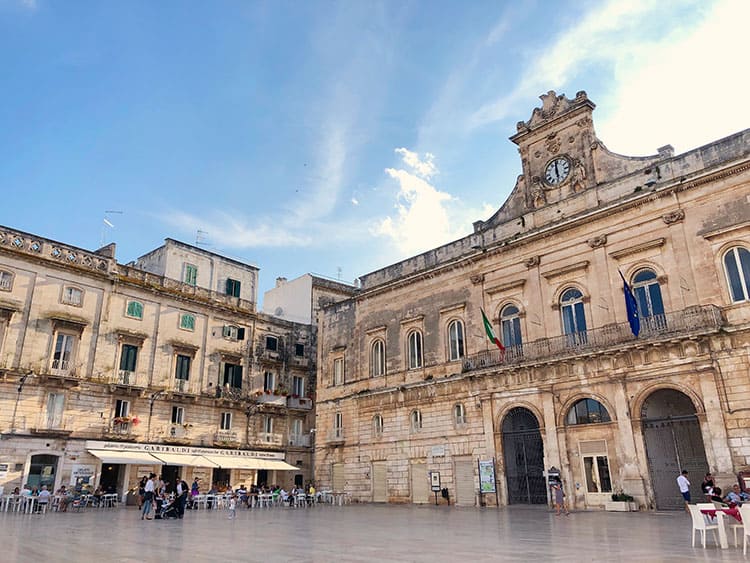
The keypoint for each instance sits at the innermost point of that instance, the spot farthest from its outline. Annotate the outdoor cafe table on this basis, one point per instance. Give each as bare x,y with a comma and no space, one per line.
720,514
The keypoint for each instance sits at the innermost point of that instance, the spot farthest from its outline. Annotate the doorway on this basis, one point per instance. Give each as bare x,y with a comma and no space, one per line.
523,452
674,442
42,471
221,479
110,478
262,477
169,474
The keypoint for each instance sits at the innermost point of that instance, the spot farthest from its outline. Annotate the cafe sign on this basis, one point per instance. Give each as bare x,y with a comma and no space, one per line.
184,450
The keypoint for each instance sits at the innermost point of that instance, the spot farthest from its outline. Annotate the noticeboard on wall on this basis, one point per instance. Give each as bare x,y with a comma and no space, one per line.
487,476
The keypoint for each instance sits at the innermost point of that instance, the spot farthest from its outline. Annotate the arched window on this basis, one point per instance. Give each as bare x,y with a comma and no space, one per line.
414,342
416,421
510,324
377,424
573,316
737,269
648,295
455,340
459,414
377,358
587,411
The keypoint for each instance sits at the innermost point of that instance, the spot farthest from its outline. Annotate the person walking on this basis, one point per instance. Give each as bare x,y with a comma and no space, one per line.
557,489
233,507
684,485
182,494
148,497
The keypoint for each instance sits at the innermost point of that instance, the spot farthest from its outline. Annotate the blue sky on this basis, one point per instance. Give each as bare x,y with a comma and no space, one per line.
330,137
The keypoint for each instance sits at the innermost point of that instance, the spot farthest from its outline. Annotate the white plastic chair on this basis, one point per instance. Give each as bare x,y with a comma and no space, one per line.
745,512
700,523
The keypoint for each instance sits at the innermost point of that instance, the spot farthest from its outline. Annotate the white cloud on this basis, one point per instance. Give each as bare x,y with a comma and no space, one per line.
29,4
425,216
422,167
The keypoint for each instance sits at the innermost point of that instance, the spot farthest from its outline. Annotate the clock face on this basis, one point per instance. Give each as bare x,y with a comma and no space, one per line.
557,171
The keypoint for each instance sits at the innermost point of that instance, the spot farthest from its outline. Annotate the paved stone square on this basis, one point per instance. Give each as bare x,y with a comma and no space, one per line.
355,533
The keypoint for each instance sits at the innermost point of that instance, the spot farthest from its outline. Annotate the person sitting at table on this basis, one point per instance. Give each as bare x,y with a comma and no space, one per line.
16,491
98,496
242,494
285,496
43,500
708,484
715,495
734,496
65,498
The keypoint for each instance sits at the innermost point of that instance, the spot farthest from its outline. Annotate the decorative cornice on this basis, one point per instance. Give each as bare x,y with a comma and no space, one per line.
623,252
708,235
452,308
412,320
500,288
376,329
557,272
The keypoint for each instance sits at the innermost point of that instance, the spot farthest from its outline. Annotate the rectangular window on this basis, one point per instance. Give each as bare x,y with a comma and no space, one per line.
134,310
232,332
232,376
128,357
62,358
268,425
272,343
226,421
298,386
297,427
338,371
122,408
299,350
233,287
182,367
596,469
178,415
6,281
269,381
55,404
187,321
338,425
191,274
72,296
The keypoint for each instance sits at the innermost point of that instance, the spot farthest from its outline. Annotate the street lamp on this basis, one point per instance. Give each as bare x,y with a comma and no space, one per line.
153,398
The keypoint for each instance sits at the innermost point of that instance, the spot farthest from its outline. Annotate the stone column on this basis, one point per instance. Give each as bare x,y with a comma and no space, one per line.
488,428
627,456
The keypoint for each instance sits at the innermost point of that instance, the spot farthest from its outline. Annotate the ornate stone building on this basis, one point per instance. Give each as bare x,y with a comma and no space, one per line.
108,371
409,383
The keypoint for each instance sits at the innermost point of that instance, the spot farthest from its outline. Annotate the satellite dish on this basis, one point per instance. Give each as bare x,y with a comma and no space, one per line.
278,311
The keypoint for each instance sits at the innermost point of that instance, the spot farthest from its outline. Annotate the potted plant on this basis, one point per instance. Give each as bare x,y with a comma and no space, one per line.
621,502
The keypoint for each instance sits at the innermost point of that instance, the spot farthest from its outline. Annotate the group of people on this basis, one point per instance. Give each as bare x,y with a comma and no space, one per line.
735,497
153,492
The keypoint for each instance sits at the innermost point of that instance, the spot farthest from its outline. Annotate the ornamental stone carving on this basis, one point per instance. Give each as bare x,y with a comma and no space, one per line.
578,177
596,242
476,279
531,261
673,217
552,143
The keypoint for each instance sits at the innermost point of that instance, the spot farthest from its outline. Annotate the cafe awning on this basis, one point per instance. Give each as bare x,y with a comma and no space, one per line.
108,456
184,459
230,462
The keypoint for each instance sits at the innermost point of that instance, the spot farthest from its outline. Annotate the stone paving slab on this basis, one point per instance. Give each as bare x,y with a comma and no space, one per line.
355,533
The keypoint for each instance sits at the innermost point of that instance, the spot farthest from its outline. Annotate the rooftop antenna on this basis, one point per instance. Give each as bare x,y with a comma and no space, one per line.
201,238
338,273
107,224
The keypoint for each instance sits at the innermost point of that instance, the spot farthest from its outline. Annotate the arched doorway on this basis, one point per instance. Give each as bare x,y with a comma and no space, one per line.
524,458
673,442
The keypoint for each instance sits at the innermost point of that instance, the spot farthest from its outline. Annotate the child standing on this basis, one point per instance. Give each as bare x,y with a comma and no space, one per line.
232,507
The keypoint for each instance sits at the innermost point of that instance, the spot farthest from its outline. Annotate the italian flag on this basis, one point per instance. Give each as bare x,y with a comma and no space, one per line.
491,333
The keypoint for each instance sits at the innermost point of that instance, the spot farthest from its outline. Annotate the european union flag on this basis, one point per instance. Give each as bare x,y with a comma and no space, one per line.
631,306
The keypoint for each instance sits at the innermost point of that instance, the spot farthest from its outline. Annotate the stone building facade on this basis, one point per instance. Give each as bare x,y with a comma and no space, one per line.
108,371
410,384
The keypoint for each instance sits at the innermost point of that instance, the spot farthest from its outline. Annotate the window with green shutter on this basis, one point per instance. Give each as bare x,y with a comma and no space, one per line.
187,321
191,274
134,310
182,367
233,287
128,357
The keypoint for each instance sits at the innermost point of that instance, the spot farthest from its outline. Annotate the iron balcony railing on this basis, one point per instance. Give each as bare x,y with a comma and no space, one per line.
699,319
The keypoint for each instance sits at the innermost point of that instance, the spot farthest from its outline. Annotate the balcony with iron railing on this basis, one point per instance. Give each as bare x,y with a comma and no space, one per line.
62,368
687,323
336,435
121,427
183,386
52,425
127,378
